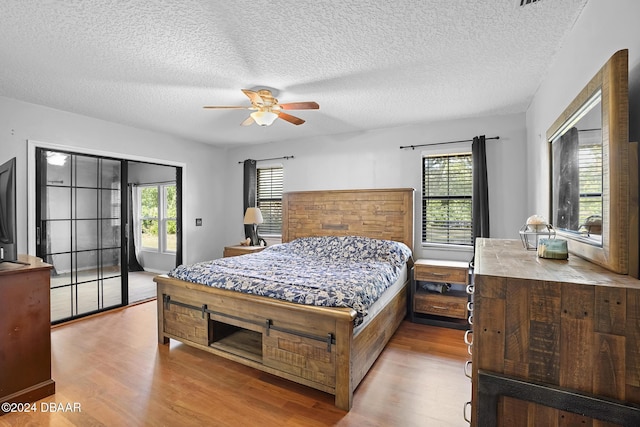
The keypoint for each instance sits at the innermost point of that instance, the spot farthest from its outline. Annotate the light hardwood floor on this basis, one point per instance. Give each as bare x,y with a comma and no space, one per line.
113,368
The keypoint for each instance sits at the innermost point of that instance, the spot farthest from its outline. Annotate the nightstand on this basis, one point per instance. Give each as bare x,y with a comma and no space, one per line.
241,250
442,309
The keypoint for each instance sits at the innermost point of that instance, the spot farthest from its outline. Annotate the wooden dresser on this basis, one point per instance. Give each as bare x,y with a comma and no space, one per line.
25,331
554,342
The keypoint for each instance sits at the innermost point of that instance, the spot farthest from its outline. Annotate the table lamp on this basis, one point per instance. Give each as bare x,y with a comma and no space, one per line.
253,216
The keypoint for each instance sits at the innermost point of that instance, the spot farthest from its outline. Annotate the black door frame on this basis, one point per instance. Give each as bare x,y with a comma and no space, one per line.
41,231
124,159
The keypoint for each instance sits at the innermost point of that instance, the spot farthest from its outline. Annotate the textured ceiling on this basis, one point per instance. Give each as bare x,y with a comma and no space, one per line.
369,64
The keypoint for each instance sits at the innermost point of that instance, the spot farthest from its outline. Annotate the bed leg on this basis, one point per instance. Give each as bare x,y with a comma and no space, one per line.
344,402
160,307
344,341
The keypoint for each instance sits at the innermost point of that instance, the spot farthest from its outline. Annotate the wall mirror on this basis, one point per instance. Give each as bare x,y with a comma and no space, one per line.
594,172
576,152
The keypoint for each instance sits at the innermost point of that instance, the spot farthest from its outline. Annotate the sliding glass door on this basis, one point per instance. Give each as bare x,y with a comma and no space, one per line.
80,206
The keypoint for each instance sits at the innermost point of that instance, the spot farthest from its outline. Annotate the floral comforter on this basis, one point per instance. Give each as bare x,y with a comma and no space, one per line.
333,271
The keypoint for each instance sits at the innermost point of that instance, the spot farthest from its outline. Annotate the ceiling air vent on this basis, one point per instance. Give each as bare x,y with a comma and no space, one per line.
526,2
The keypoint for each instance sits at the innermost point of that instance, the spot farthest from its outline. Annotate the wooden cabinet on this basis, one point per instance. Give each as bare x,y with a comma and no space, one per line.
241,250
555,342
432,307
25,331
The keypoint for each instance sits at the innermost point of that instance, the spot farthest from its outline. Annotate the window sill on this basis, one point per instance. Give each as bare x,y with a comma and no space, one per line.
156,251
445,247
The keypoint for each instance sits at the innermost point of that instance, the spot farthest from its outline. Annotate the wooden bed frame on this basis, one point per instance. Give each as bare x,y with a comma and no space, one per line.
314,346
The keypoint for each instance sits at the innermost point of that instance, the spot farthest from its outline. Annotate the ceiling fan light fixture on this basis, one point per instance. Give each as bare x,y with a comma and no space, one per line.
264,118
266,108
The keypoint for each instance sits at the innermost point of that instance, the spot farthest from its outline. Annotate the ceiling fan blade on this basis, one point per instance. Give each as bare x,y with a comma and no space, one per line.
291,119
300,106
247,122
254,97
223,107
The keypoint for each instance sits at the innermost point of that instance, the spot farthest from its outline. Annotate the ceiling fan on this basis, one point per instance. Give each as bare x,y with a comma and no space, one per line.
266,108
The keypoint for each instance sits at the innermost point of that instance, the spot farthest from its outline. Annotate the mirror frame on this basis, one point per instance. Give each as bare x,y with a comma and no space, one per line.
619,249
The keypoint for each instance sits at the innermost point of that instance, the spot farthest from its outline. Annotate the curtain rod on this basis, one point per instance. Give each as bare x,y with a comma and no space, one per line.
273,158
413,147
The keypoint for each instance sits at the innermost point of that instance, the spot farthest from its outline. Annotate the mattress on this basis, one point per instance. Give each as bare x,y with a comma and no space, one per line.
384,299
330,271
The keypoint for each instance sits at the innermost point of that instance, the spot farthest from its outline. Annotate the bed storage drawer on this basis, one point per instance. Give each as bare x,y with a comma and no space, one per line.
184,321
304,357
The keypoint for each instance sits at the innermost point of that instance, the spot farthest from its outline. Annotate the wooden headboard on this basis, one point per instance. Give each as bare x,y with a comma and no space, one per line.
381,213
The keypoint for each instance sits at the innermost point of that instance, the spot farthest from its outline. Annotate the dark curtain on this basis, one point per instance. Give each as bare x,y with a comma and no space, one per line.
249,192
567,195
480,209
132,262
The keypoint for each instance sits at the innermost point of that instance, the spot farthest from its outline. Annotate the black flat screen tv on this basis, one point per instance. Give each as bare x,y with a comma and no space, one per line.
8,214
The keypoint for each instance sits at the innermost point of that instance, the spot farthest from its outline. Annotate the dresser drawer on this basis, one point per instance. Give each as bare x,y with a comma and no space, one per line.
440,304
430,273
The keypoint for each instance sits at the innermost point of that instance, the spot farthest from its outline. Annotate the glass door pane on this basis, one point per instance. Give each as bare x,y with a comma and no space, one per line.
80,232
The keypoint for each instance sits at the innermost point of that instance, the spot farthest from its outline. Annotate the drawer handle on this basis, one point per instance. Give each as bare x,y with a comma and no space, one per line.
437,274
470,319
470,289
469,349
468,341
464,412
438,307
469,306
467,369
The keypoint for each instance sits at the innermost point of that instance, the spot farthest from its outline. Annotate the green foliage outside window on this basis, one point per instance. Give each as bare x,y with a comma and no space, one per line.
152,220
149,203
171,208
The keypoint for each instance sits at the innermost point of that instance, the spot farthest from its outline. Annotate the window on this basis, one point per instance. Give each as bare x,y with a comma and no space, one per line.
447,190
590,172
158,217
269,199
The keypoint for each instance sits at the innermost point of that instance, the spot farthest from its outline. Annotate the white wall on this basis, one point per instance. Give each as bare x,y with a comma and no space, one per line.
149,173
204,186
374,160
603,28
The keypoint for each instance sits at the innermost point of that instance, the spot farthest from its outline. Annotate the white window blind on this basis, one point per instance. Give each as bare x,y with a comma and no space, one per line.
590,173
269,199
447,192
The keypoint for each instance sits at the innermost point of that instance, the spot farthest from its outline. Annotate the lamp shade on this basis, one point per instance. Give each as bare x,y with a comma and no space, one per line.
253,216
264,118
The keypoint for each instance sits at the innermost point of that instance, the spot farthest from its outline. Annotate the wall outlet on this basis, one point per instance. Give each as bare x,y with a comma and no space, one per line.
198,222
